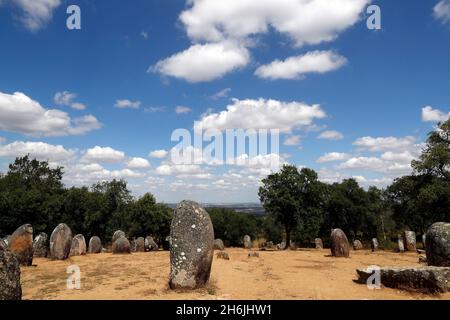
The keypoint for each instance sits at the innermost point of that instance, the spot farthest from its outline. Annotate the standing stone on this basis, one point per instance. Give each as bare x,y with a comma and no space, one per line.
374,244
10,288
95,245
121,246
410,240
191,246
21,244
319,243
150,244
438,245
78,246
424,241
357,245
117,235
139,244
401,244
60,242
218,245
247,242
40,245
340,246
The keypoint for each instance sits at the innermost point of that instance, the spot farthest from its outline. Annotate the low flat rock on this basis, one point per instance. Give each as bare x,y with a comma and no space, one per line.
421,279
95,245
10,288
60,242
21,244
253,255
40,245
222,255
78,246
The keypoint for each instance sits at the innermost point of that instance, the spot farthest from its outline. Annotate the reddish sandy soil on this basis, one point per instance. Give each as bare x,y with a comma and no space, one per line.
301,274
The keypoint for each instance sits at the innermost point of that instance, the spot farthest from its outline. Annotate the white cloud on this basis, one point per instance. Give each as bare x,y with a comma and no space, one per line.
434,115
385,143
144,34
40,150
442,11
154,109
331,135
36,13
292,141
21,114
204,62
221,94
2,140
182,110
127,104
304,21
78,106
174,170
66,98
103,154
296,67
333,156
263,114
138,163
159,154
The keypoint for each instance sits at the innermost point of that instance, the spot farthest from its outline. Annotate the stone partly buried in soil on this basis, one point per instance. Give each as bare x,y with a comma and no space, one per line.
191,246
21,244
10,288
421,279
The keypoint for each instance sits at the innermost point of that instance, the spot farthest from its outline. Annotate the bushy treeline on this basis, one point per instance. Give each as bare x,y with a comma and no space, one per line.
32,192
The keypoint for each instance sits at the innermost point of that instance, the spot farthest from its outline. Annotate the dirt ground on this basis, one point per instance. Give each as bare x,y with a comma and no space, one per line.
302,274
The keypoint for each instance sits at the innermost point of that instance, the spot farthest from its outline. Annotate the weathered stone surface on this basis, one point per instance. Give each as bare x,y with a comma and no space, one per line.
253,255
268,246
374,244
357,245
10,288
95,245
222,255
422,259
78,247
21,244
401,244
117,235
319,243
247,242
422,279
60,242
139,245
424,240
6,240
339,244
438,245
191,246
3,245
121,246
150,244
40,245
218,244
410,240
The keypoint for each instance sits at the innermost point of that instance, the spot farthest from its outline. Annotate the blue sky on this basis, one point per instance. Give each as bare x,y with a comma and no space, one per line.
100,101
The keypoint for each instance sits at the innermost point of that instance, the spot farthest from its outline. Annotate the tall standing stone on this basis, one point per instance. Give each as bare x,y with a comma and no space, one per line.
150,244
401,244
10,288
121,246
340,246
357,245
410,240
60,242
191,246
78,247
21,244
40,245
95,245
438,245
247,242
319,243
374,244
117,235
139,244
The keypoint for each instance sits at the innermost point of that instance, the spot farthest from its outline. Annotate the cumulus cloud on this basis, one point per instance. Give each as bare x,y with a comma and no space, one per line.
263,114
331,135
292,141
103,154
66,98
296,67
178,169
429,114
138,163
204,62
36,13
39,150
182,110
441,11
21,114
385,143
159,154
304,21
127,104
333,156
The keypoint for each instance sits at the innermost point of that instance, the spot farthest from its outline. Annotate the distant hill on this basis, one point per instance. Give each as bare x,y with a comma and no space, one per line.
249,208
